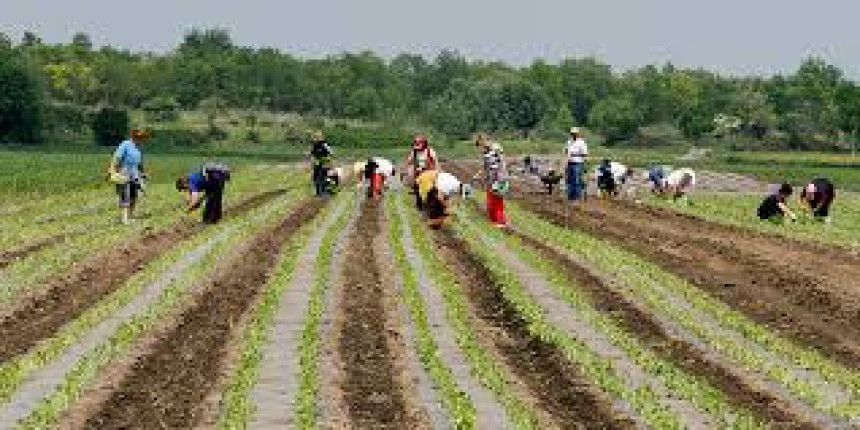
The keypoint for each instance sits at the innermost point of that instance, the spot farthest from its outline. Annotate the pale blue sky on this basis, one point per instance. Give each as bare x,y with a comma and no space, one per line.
735,36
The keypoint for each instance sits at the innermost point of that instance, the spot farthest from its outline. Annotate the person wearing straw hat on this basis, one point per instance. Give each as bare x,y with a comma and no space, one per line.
576,153
126,172
321,154
437,191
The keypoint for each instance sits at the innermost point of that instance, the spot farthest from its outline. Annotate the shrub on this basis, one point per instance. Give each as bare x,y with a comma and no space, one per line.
20,101
162,109
180,137
661,134
67,118
110,126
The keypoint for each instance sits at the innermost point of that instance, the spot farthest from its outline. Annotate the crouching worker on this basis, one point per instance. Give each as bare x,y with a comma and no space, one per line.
611,175
817,197
207,183
437,191
376,172
679,183
774,207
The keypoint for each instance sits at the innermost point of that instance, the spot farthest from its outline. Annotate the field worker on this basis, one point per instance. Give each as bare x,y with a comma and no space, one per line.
655,176
206,184
495,178
437,190
817,196
376,171
774,207
126,171
420,159
611,175
321,154
679,183
576,153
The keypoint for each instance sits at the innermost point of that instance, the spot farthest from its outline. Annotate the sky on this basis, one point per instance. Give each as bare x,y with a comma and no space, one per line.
739,37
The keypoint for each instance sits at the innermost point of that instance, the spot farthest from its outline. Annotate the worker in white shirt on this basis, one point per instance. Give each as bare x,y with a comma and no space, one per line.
576,152
611,175
679,183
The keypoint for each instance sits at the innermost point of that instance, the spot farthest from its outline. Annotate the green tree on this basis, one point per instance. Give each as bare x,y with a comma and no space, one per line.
20,101
617,118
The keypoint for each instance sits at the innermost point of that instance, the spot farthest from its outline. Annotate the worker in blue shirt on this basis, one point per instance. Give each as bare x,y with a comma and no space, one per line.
206,184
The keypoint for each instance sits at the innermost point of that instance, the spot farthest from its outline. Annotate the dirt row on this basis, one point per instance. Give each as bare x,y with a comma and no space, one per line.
46,308
375,388
10,256
815,305
168,386
555,385
802,290
642,323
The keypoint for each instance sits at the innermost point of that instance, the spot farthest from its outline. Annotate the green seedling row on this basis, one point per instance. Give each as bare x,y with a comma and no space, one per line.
94,362
481,362
236,405
700,393
639,276
310,346
460,408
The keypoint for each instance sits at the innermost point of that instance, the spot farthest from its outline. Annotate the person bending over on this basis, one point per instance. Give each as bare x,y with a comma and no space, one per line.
817,197
206,184
774,207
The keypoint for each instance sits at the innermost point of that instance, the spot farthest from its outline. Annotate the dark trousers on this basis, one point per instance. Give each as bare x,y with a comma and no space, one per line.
575,184
319,178
212,210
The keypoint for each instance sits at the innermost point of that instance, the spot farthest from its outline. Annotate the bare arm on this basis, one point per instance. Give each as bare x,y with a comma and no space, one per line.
194,200
786,210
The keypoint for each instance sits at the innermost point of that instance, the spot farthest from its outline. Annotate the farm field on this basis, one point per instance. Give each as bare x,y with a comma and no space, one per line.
344,312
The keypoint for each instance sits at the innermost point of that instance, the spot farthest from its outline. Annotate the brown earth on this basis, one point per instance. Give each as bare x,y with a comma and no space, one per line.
803,291
373,388
643,324
8,257
556,385
62,298
168,388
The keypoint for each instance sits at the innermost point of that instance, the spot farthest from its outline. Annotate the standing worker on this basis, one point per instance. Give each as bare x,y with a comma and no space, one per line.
321,159
126,171
817,196
495,178
774,207
576,152
206,183
420,159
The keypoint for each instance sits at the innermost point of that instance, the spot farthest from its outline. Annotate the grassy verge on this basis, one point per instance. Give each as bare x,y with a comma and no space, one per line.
740,211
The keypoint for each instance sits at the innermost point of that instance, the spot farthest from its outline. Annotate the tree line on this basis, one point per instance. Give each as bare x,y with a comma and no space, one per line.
55,86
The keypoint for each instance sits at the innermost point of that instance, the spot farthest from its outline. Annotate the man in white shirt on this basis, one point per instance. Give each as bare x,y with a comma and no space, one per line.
679,182
576,152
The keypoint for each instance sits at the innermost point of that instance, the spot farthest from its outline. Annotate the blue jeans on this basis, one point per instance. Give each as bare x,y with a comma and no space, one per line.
575,185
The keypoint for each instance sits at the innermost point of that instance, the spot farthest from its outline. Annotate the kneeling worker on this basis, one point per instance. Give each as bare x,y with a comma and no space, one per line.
774,207
817,197
209,181
436,190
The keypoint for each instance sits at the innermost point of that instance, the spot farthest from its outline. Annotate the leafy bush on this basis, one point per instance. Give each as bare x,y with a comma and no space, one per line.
20,101
180,137
67,118
162,109
110,126
367,137
661,134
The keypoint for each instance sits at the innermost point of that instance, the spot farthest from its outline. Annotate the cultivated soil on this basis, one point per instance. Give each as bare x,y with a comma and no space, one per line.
642,323
802,290
9,257
169,386
374,385
556,386
42,311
